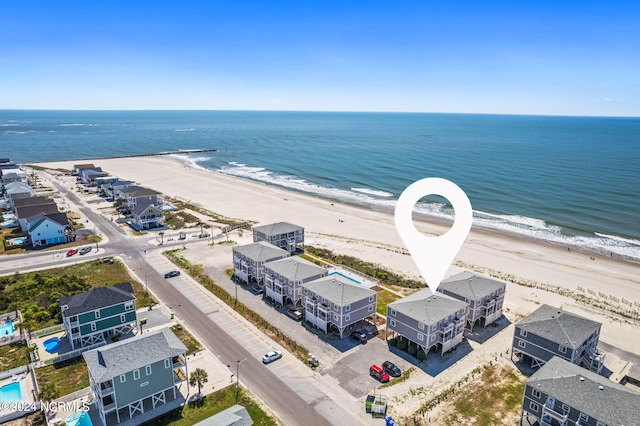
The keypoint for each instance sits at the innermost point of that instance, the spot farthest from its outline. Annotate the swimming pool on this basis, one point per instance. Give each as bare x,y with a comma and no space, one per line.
79,419
51,345
6,329
8,216
11,392
9,224
344,276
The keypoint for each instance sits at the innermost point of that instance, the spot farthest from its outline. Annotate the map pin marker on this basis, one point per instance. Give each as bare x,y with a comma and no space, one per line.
433,255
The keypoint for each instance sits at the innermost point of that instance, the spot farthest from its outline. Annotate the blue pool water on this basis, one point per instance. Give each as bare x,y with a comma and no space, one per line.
344,276
79,419
9,224
11,393
51,345
19,240
8,216
6,329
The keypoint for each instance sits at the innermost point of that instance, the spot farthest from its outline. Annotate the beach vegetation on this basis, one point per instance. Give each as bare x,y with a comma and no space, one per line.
196,271
384,298
217,218
205,407
67,377
14,355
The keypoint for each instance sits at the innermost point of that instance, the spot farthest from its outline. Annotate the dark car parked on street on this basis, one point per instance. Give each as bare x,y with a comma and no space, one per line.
172,274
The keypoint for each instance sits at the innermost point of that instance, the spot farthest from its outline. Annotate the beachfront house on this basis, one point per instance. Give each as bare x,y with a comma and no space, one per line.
249,260
484,296
50,229
77,168
283,279
135,195
549,331
112,189
562,393
431,321
89,176
336,303
134,376
7,178
92,317
285,235
32,201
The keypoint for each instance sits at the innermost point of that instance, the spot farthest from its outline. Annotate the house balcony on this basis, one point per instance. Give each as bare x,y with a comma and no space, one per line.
447,329
548,411
106,388
179,375
178,361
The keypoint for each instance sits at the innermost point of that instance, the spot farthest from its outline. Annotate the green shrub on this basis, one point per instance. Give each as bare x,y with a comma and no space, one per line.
402,344
393,341
412,350
421,355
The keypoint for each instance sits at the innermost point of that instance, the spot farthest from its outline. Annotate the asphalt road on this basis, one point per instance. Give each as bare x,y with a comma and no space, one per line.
282,398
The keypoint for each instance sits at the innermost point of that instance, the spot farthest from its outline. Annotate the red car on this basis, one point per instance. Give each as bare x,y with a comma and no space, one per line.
379,373
72,252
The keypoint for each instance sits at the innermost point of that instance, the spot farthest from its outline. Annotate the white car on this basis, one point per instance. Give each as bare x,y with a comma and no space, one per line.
271,356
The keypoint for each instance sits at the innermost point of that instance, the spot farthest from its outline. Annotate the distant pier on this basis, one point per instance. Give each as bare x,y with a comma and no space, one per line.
184,151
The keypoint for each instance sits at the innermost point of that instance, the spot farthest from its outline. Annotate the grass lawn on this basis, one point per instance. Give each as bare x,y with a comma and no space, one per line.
186,338
384,298
68,376
211,404
12,356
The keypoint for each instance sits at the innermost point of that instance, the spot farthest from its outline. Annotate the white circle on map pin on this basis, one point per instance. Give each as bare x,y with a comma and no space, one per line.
433,254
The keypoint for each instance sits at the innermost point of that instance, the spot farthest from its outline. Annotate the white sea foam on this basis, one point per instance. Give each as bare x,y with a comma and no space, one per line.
78,124
183,130
9,124
512,224
373,192
191,161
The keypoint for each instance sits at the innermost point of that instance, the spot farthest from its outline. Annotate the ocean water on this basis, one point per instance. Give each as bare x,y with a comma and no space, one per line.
573,181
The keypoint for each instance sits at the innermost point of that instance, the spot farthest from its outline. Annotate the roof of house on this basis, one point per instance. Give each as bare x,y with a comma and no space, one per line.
278,228
118,358
97,298
471,286
142,208
559,326
4,160
17,186
587,392
338,290
138,191
83,166
236,415
426,307
121,183
12,175
33,201
59,218
295,268
26,212
261,251
93,172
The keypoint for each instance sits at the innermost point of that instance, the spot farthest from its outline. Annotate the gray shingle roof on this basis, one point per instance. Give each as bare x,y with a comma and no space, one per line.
426,307
110,361
295,268
261,251
60,218
278,228
236,415
338,290
559,326
26,212
137,191
32,201
471,286
97,298
141,208
612,404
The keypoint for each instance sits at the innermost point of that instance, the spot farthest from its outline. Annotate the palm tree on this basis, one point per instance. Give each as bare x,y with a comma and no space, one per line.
198,377
161,233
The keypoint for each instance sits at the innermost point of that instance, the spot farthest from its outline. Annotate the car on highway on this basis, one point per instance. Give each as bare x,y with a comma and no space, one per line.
172,274
359,336
85,250
378,373
391,369
72,252
271,356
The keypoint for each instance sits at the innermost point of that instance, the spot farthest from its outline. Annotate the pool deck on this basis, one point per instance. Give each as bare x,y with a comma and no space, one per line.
27,391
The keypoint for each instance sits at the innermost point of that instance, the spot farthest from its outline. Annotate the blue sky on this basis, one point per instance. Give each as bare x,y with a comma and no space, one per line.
516,57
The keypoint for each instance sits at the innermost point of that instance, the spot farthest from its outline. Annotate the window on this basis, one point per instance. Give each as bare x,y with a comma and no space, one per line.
335,317
393,312
97,314
583,417
370,308
123,318
147,370
562,349
167,363
434,327
393,323
347,308
534,407
521,343
347,317
420,337
370,298
128,306
523,333
420,325
136,374
93,326
433,338
535,393
565,409
123,378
